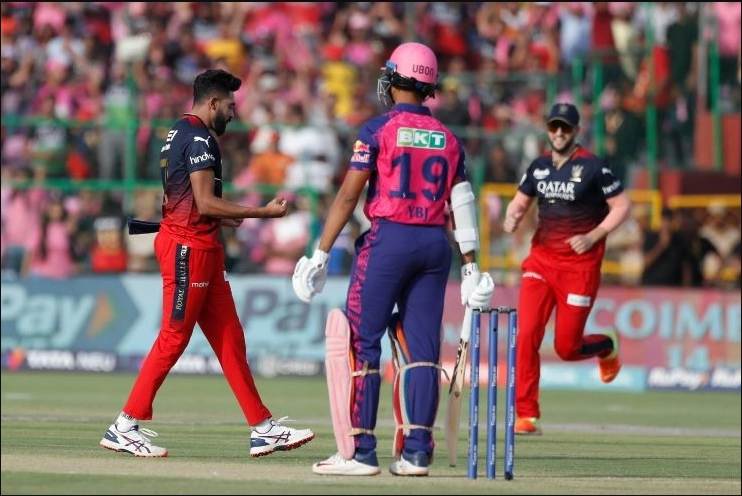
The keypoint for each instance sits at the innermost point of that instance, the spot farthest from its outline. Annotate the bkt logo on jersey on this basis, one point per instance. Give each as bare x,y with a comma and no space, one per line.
201,158
421,138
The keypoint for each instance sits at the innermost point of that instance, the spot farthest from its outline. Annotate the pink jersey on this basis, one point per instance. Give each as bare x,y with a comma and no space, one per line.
413,159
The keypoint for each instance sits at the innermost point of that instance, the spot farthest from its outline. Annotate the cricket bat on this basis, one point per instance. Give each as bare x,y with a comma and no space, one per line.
451,427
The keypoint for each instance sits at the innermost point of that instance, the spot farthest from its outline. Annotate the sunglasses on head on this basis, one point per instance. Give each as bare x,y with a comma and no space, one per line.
553,126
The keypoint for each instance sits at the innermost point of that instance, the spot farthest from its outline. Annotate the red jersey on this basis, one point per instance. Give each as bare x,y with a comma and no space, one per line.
189,147
571,200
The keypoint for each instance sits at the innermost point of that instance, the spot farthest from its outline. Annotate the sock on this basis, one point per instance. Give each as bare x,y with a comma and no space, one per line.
125,422
263,426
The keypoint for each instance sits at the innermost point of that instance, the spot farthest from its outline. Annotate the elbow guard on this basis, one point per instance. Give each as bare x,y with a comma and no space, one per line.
463,207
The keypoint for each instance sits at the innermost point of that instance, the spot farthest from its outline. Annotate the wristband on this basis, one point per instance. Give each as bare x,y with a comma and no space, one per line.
320,258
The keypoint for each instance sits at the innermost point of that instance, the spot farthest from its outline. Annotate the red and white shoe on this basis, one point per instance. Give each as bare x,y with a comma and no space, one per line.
135,441
528,426
278,438
610,365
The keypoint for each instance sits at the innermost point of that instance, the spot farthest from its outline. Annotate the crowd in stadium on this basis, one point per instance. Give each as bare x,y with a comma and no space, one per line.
89,88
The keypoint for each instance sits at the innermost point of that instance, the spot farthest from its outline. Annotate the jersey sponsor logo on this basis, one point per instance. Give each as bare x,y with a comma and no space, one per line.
201,158
556,190
578,300
612,187
200,284
423,69
205,140
170,136
533,275
361,152
361,147
421,138
182,273
540,174
606,170
576,173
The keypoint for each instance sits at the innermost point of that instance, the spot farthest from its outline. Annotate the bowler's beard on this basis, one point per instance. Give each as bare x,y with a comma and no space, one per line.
567,146
220,124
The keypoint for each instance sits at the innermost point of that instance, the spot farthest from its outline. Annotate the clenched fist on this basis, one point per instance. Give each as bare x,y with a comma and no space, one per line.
277,207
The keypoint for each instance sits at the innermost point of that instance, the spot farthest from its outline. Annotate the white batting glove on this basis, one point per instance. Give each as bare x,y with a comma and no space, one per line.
469,280
310,275
482,294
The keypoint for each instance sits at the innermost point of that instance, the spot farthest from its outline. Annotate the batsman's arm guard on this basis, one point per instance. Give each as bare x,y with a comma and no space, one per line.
339,370
464,211
401,364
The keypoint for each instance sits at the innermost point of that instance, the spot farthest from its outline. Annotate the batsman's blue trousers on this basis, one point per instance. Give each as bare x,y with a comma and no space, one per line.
407,266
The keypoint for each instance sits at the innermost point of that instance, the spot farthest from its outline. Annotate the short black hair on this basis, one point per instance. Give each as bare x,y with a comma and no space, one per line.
214,81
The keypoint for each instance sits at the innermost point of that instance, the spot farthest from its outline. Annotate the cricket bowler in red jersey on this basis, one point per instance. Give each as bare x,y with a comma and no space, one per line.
580,201
194,278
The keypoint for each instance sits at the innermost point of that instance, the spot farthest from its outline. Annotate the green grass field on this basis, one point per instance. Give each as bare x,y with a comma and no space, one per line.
593,442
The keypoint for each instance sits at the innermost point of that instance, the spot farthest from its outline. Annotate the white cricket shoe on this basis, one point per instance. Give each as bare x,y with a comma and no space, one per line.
413,464
134,441
337,465
278,438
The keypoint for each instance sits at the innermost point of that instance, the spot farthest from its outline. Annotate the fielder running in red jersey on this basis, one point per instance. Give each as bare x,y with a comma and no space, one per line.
414,168
580,201
194,278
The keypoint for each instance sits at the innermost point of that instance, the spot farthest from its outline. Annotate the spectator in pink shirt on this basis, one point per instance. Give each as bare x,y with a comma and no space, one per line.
49,14
729,22
20,218
359,50
51,254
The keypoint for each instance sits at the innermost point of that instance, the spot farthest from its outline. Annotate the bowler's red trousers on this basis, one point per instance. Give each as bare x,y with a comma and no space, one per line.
543,288
195,290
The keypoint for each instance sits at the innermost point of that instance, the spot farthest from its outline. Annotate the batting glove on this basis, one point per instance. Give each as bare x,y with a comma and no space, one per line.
469,280
310,275
482,294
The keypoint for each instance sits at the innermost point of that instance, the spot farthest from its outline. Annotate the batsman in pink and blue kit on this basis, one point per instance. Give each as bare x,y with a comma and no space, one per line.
414,170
